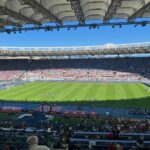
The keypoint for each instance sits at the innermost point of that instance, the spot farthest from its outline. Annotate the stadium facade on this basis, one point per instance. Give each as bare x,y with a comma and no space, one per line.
108,49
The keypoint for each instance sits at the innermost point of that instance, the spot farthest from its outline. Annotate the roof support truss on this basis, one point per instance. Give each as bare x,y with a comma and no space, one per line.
2,23
90,26
5,22
40,8
19,16
112,9
76,6
139,12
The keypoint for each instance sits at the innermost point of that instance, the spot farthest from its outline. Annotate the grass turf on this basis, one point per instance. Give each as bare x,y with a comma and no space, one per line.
99,94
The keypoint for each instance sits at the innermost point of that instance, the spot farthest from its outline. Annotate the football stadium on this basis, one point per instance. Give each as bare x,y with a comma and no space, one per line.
74,97
102,81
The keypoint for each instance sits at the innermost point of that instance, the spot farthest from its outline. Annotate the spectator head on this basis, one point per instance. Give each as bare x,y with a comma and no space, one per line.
31,140
118,147
133,148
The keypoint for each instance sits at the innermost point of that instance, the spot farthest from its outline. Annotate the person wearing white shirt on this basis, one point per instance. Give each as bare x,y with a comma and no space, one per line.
32,142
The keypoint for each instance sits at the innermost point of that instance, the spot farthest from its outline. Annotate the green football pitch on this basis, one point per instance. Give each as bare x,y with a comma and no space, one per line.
98,94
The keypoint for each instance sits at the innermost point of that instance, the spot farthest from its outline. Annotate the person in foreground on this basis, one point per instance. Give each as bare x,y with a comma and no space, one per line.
32,142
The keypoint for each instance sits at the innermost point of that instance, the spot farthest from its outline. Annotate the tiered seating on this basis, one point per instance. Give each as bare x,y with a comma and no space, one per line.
17,139
79,133
103,69
10,75
101,140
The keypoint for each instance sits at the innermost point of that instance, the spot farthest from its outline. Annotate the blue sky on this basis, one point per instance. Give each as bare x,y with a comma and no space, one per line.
79,37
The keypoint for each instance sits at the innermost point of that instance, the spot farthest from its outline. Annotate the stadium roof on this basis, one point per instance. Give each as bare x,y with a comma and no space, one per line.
108,49
18,13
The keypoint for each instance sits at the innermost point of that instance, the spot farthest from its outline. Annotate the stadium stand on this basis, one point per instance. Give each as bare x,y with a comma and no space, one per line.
92,69
72,127
80,133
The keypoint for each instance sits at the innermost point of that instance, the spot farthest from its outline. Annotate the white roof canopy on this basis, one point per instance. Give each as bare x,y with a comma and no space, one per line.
21,12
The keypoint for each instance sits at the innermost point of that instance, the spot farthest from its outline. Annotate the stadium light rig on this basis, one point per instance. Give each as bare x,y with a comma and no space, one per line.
68,27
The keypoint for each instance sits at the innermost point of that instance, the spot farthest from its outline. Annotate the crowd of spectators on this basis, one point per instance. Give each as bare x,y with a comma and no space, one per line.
102,69
106,125
108,128
9,75
95,124
140,111
81,75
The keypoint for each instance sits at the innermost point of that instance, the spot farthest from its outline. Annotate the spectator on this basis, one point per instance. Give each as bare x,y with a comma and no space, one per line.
7,146
110,135
32,141
111,146
133,148
119,147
